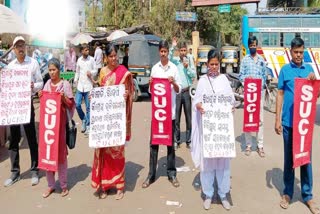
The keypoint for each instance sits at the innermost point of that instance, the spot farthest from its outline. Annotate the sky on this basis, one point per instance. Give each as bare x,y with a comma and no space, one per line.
252,7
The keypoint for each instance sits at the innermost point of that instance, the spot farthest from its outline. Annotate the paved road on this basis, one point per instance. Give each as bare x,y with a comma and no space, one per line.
256,182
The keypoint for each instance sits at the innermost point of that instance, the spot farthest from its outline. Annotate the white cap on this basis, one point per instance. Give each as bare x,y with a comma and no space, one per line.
17,39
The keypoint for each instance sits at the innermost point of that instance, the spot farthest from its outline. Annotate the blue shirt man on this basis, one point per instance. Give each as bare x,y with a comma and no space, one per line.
295,69
186,73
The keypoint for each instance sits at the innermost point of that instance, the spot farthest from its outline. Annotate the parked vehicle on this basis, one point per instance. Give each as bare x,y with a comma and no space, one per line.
202,59
271,92
229,59
237,87
143,54
270,95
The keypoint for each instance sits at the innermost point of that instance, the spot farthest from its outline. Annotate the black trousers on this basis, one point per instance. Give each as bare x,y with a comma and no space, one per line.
183,100
171,159
30,131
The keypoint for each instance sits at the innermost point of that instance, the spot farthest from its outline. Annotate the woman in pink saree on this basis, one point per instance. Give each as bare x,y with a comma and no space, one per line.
56,84
108,168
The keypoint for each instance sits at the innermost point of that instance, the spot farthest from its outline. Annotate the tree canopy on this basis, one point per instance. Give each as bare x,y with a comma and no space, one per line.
161,18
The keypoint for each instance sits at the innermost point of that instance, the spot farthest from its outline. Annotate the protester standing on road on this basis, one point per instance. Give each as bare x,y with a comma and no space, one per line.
23,62
84,79
190,56
187,73
165,69
125,60
254,66
285,98
108,168
70,59
56,84
98,56
210,168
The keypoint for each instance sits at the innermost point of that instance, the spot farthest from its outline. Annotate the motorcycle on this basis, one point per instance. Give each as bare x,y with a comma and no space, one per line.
237,88
270,93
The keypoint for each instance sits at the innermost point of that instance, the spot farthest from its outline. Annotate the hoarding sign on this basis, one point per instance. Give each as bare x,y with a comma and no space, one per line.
186,16
224,8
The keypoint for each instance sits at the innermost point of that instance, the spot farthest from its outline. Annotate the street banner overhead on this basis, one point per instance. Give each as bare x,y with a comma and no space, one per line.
161,132
251,109
196,3
304,113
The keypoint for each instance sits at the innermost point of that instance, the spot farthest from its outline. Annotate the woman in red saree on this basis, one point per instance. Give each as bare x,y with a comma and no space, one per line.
108,168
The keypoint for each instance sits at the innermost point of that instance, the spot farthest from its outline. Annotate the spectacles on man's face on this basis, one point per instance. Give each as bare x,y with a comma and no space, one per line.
20,46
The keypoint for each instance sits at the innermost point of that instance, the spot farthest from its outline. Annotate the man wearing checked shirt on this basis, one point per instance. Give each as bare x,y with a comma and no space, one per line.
254,66
186,74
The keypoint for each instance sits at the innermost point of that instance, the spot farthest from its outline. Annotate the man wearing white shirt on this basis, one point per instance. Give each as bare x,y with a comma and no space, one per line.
70,59
98,56
24,62
165,69
85,72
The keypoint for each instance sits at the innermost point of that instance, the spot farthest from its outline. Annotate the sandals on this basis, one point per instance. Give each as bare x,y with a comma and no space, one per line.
248,151
285,201
47,193
103,194
313,207
261,152
147,183
119,195
64,192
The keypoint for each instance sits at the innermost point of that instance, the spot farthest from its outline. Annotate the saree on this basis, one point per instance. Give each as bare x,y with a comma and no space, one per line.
108,168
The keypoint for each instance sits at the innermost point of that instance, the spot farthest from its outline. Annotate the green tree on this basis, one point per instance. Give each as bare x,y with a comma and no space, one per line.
161,18
211,23
314,3
116,13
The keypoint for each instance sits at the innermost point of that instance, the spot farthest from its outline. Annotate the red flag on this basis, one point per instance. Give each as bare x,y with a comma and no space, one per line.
304,112
161,131
49,129
252,97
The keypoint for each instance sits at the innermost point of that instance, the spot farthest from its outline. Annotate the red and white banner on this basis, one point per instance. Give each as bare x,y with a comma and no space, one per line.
161,125
304,112
252,97
49,129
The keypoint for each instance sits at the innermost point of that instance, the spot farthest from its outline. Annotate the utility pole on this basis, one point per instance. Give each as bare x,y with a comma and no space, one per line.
94,13
150,5
115,12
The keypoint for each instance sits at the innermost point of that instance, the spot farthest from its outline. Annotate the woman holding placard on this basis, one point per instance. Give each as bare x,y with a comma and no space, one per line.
108,168
210,168
56,84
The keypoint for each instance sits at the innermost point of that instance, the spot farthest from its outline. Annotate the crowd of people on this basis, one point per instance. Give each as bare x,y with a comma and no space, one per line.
108,168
